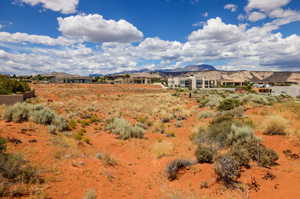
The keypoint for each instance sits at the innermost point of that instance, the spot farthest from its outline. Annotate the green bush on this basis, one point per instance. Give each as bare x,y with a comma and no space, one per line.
2,145
206,114
174,166
267,157
18,113
202,102
43,116
228,104
10,86
227,170
39,114
239,134
124,129
241,155
204,154
14,170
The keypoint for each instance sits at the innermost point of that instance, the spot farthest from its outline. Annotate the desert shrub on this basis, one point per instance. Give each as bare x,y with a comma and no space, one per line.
178,124
239,134
106,159
228,104
275,125
216,133
79,135
60,123
14,167
73,124
124,129
9,86
14,170
181,114
257,152
202,102
206,114
237,112
227,170
2,144
204,154
37,113
258,99
225,131
267,157
84,123
52,129
43,116
241,155
174,166
90,194
165,117
214,101
222,116
94,119
17,113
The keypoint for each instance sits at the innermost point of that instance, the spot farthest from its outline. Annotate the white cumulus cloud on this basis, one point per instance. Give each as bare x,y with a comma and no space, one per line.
35,39
231,7
256,16
63,6
266,5
95,28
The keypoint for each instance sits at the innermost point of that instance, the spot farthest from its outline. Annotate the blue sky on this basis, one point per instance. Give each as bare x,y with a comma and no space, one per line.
104,36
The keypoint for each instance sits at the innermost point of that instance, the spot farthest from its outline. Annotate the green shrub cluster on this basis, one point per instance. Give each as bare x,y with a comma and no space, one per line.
206,114
228,104
227,170
2,145
39,114
236,137
204,154
14,170
174,166
10,86
124,129
226,100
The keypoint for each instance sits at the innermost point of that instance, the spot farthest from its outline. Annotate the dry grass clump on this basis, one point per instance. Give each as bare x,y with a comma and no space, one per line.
161,149
124,129
206,114
90,194
16,175
275,125
106,159
39,114
166,116
174,166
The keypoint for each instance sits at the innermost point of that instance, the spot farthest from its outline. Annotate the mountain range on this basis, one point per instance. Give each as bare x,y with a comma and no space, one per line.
189,68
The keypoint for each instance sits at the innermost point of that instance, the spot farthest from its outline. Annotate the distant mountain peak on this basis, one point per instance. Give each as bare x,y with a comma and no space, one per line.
196,68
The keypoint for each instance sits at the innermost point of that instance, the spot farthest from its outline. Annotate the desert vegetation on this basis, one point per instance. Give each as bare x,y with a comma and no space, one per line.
17,175
136,141
10,86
